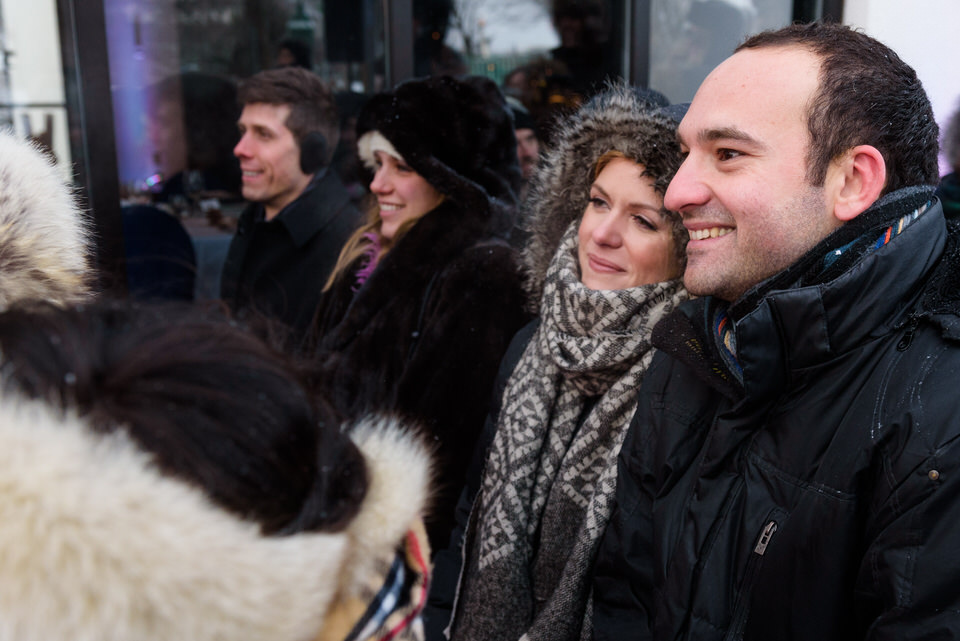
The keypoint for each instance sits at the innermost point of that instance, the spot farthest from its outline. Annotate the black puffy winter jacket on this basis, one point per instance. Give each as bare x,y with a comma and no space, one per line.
818,499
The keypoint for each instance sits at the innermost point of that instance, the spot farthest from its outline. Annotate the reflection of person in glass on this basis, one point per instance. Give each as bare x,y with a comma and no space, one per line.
191,128
294,52
432,57
949,190
581,26
712,30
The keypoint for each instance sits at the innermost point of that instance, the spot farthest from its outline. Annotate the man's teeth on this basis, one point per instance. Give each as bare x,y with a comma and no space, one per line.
712,232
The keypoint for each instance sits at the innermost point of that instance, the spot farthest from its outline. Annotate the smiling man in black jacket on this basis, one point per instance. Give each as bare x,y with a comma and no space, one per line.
793,469
300,213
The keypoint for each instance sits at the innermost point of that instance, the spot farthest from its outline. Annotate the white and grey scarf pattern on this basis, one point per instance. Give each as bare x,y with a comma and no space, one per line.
550,476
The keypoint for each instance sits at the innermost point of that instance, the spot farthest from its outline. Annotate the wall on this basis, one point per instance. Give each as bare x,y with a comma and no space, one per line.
924,34
35,67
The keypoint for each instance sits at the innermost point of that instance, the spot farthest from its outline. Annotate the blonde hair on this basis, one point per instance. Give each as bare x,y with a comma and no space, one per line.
605,160
358,243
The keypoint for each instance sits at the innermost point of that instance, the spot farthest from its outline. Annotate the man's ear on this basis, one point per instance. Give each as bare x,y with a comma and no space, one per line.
856,181
313,152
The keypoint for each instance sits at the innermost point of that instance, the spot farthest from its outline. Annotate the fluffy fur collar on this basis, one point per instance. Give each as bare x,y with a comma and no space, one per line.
622,119
435,242
96,544
44,237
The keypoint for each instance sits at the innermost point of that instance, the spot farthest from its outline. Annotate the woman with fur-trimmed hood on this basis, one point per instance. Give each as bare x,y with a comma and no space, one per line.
44,237
425,297
165,475
604,262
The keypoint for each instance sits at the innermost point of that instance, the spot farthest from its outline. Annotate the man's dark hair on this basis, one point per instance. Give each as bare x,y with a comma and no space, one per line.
867,96
312,105
211,403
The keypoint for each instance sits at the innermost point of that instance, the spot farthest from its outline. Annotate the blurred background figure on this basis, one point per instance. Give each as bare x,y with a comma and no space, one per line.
294,52
700,39
191,126
160,257
583,27
191,130
548,92
528,145
346,160
431,55
949,189
165,474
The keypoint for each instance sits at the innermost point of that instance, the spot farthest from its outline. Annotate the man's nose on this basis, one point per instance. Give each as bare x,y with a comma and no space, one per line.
687,188
242,149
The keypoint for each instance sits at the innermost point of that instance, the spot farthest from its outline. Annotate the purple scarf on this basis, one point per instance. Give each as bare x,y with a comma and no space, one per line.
371,257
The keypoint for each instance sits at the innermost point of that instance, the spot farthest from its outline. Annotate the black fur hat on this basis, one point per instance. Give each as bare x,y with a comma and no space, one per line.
456,133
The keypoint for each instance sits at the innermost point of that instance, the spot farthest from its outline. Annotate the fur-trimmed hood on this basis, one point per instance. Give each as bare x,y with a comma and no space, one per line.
44,237
456,133
96,544
634,122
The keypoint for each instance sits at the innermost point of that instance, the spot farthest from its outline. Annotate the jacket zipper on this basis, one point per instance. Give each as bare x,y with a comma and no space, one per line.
912,322
742,611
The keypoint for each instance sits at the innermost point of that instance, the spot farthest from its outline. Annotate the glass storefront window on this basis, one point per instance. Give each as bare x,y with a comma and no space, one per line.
174,66
174,70
169,96
549,54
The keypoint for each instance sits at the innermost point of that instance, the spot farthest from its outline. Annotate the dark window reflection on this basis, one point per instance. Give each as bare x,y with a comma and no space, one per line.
174,69
688,38
549,54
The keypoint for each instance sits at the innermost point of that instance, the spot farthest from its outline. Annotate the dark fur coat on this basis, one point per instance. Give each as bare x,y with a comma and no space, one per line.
424,337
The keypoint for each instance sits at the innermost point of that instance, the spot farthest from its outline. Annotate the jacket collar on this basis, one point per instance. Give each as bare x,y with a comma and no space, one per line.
320,202
817,309
405,271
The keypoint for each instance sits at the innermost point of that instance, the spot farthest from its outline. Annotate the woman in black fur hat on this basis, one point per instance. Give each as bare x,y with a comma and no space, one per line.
425,297
603,262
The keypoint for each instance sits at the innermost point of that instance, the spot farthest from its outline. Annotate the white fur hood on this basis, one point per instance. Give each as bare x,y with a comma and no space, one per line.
97,545
44,237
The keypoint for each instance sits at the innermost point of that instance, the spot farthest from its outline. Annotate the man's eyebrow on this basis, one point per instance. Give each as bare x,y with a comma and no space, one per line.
728,133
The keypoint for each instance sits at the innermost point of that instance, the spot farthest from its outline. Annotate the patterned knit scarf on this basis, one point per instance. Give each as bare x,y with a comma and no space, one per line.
550,476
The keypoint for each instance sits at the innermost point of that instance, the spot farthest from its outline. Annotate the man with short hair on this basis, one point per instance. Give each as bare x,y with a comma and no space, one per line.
793,468
300,214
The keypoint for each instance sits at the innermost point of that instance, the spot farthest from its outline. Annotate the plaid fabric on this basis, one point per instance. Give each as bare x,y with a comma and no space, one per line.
387,606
